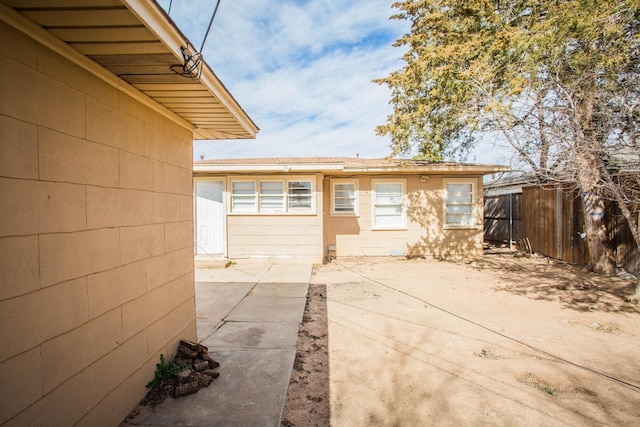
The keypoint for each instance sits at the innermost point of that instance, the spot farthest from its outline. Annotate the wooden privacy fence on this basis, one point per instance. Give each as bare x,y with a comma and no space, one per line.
552,222
503,217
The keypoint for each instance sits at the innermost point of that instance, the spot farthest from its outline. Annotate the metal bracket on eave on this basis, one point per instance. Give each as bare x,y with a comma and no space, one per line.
159,23
191,66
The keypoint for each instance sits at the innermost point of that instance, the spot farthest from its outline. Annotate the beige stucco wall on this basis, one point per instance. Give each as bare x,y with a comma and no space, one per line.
424,235
275,236
96,241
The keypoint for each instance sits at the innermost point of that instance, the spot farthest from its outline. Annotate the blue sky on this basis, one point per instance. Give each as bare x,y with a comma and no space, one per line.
303,71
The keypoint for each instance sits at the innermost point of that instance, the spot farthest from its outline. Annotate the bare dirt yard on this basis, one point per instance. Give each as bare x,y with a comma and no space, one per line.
498,341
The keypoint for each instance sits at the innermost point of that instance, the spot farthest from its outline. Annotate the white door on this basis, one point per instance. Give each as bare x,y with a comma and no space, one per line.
209,217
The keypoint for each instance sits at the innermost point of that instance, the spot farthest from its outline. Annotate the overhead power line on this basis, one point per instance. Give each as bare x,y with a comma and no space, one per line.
213,15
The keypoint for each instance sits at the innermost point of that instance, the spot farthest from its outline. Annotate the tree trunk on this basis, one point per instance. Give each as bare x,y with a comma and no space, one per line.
625,208
587,164
636,294
598,241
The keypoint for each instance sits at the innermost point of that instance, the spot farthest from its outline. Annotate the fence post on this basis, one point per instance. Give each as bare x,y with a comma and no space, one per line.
559,223
510,221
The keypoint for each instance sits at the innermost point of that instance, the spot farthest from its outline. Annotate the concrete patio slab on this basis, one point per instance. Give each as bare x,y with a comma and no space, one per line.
245,335
248,316
245,273
254,272
268,309
214,302
285,290
250,391
287,273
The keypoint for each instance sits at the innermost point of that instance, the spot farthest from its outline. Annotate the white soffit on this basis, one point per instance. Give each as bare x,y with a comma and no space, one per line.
138,43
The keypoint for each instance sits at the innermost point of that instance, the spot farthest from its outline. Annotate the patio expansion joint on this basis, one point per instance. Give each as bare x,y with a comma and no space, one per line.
283,322
224,320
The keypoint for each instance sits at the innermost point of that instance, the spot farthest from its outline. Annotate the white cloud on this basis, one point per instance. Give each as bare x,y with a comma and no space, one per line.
302,70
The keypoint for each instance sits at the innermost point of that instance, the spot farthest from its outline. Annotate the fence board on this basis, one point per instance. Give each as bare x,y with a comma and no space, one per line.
552,220
498,218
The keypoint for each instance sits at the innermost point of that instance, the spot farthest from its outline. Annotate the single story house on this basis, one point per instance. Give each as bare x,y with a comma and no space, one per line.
313,209
100,101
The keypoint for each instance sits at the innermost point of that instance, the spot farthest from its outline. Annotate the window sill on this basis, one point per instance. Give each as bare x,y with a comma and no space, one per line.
271,214
390,229
461,227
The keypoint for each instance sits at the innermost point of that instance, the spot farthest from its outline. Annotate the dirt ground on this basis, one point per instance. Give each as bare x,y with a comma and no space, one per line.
503,340
308,396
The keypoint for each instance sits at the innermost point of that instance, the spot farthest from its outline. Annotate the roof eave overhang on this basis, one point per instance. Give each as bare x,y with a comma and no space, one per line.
431,170
154,19
269,168
42,36
339,168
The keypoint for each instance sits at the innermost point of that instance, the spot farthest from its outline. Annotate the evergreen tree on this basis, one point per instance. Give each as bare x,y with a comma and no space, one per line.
558,79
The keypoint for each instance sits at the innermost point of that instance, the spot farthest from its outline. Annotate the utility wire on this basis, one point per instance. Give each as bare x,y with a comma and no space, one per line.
633,387
209,27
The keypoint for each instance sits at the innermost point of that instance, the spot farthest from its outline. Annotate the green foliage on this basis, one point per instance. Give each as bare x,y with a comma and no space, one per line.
559,80
474,66
165,371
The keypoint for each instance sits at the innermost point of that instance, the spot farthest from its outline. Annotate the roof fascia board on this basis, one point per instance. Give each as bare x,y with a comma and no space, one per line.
433,169
157,21
211,81
503,191
339,168
268,168
42,36
149,13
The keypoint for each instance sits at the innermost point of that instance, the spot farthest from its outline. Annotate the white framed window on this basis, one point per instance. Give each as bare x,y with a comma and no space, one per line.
299,196
344,197
269,196
459,206
243,196
388,204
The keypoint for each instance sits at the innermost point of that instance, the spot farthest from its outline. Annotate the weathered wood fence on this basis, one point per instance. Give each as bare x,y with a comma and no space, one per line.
551,219
553,223
503,218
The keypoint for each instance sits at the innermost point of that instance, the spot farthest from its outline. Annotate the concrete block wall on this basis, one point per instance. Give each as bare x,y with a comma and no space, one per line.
96,241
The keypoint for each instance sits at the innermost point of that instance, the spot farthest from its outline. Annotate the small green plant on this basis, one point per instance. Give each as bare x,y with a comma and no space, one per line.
166,370
550,390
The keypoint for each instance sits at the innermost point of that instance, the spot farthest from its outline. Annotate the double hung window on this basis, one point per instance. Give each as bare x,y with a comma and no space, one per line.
299,196
388,204
344,197
459,204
